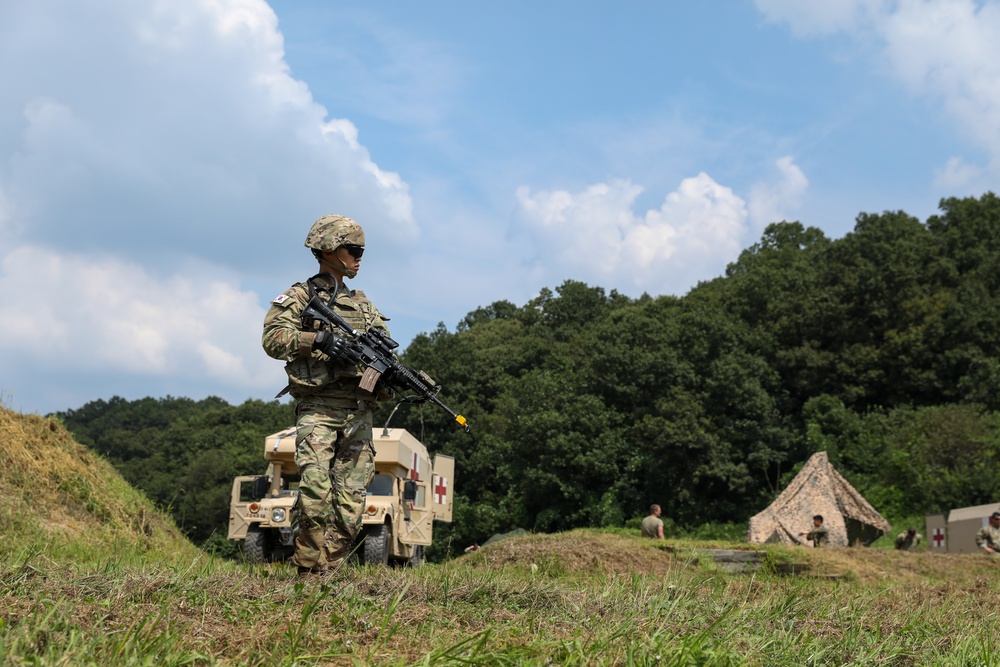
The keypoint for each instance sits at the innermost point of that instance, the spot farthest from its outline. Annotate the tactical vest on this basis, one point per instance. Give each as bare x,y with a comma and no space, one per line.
315,374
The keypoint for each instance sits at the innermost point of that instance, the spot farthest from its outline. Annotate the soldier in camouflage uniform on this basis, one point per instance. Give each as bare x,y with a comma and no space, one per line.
909,540
333,449
988,537
819,534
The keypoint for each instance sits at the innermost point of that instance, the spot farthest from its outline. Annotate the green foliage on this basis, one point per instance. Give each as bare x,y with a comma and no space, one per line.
944,457
910,460
881,348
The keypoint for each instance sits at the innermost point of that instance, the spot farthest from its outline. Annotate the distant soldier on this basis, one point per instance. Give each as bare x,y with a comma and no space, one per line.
819,534
988,537
909,540
652,525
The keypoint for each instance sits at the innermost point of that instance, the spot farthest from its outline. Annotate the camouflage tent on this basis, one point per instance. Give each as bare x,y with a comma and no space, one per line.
818,489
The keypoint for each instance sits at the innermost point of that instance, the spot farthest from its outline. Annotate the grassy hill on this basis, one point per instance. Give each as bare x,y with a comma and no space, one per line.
93,575
61,500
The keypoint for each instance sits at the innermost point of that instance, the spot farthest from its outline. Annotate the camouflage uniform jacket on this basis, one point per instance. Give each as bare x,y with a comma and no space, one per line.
288,338
819,536
988,536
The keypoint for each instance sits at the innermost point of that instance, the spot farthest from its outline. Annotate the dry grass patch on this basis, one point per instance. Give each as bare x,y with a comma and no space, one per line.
579,552
904,567
92,574
58,492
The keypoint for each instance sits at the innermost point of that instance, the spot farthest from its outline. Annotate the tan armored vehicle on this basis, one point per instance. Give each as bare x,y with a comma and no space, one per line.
405,497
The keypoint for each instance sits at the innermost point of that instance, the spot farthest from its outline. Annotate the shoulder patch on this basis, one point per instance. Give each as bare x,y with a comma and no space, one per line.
280,299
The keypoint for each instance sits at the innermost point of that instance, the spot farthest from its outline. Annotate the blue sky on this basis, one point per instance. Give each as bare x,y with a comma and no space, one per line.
161,163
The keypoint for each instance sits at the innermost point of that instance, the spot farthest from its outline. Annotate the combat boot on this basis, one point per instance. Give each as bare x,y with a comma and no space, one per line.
306,572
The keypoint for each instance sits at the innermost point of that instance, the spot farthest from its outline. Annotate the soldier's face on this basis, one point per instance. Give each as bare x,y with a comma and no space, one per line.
345,255
995,522
341,262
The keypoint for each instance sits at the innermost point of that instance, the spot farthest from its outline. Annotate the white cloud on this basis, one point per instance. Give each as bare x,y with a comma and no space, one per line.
949,50
6,212
155,157
197,118
113,317
959,177
774,201
827,16
595,236
944,50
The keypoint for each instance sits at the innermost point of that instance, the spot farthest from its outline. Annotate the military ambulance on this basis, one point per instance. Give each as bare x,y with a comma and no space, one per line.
407,495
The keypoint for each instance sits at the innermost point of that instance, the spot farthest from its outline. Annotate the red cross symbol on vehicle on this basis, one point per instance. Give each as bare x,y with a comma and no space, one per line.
415,468
938,538
441,490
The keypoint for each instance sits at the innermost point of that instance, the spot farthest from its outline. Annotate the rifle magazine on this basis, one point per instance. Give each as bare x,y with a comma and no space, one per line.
369,379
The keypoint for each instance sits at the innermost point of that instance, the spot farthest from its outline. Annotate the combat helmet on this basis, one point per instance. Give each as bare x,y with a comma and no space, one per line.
332,231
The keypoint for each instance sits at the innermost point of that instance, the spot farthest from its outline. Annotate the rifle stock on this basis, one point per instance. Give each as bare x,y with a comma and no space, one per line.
381,362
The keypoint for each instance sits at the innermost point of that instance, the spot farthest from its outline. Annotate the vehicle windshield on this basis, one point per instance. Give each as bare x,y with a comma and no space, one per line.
246,492
381,486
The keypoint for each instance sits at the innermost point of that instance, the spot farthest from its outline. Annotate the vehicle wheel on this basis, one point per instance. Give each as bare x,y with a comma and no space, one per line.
377,544
417,559
257,545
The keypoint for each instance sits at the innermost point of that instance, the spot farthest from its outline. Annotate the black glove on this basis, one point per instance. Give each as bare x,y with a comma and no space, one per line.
338,348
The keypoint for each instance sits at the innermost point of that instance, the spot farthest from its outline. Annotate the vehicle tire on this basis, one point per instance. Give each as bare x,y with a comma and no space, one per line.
377,544
417,559
257,545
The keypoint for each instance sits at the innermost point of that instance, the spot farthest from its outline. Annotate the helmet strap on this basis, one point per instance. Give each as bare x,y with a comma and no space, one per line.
342,271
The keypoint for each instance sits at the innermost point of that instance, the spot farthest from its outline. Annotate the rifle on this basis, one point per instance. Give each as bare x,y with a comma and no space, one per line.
382,364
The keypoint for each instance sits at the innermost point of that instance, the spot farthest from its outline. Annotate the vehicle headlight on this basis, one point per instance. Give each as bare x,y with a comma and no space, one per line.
278,515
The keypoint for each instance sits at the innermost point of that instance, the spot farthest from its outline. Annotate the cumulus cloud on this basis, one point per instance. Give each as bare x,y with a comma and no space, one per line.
71,316
698,229
777,200
197,118
149,153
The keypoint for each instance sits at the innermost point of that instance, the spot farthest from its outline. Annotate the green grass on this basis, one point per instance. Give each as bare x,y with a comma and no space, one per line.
92,574
489,609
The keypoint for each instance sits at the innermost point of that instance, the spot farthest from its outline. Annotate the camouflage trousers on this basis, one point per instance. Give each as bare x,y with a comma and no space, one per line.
336,460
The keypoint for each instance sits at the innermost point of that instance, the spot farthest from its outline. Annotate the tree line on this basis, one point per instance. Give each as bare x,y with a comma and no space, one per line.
880,348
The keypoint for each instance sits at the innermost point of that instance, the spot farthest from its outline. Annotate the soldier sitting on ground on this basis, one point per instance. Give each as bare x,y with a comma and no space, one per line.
819,534
909,540
652,525
988,537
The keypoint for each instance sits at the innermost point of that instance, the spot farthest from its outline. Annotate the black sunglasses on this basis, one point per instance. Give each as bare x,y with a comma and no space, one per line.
355,251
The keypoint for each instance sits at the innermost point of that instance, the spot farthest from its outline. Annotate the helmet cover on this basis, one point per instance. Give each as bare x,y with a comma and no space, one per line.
332,231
